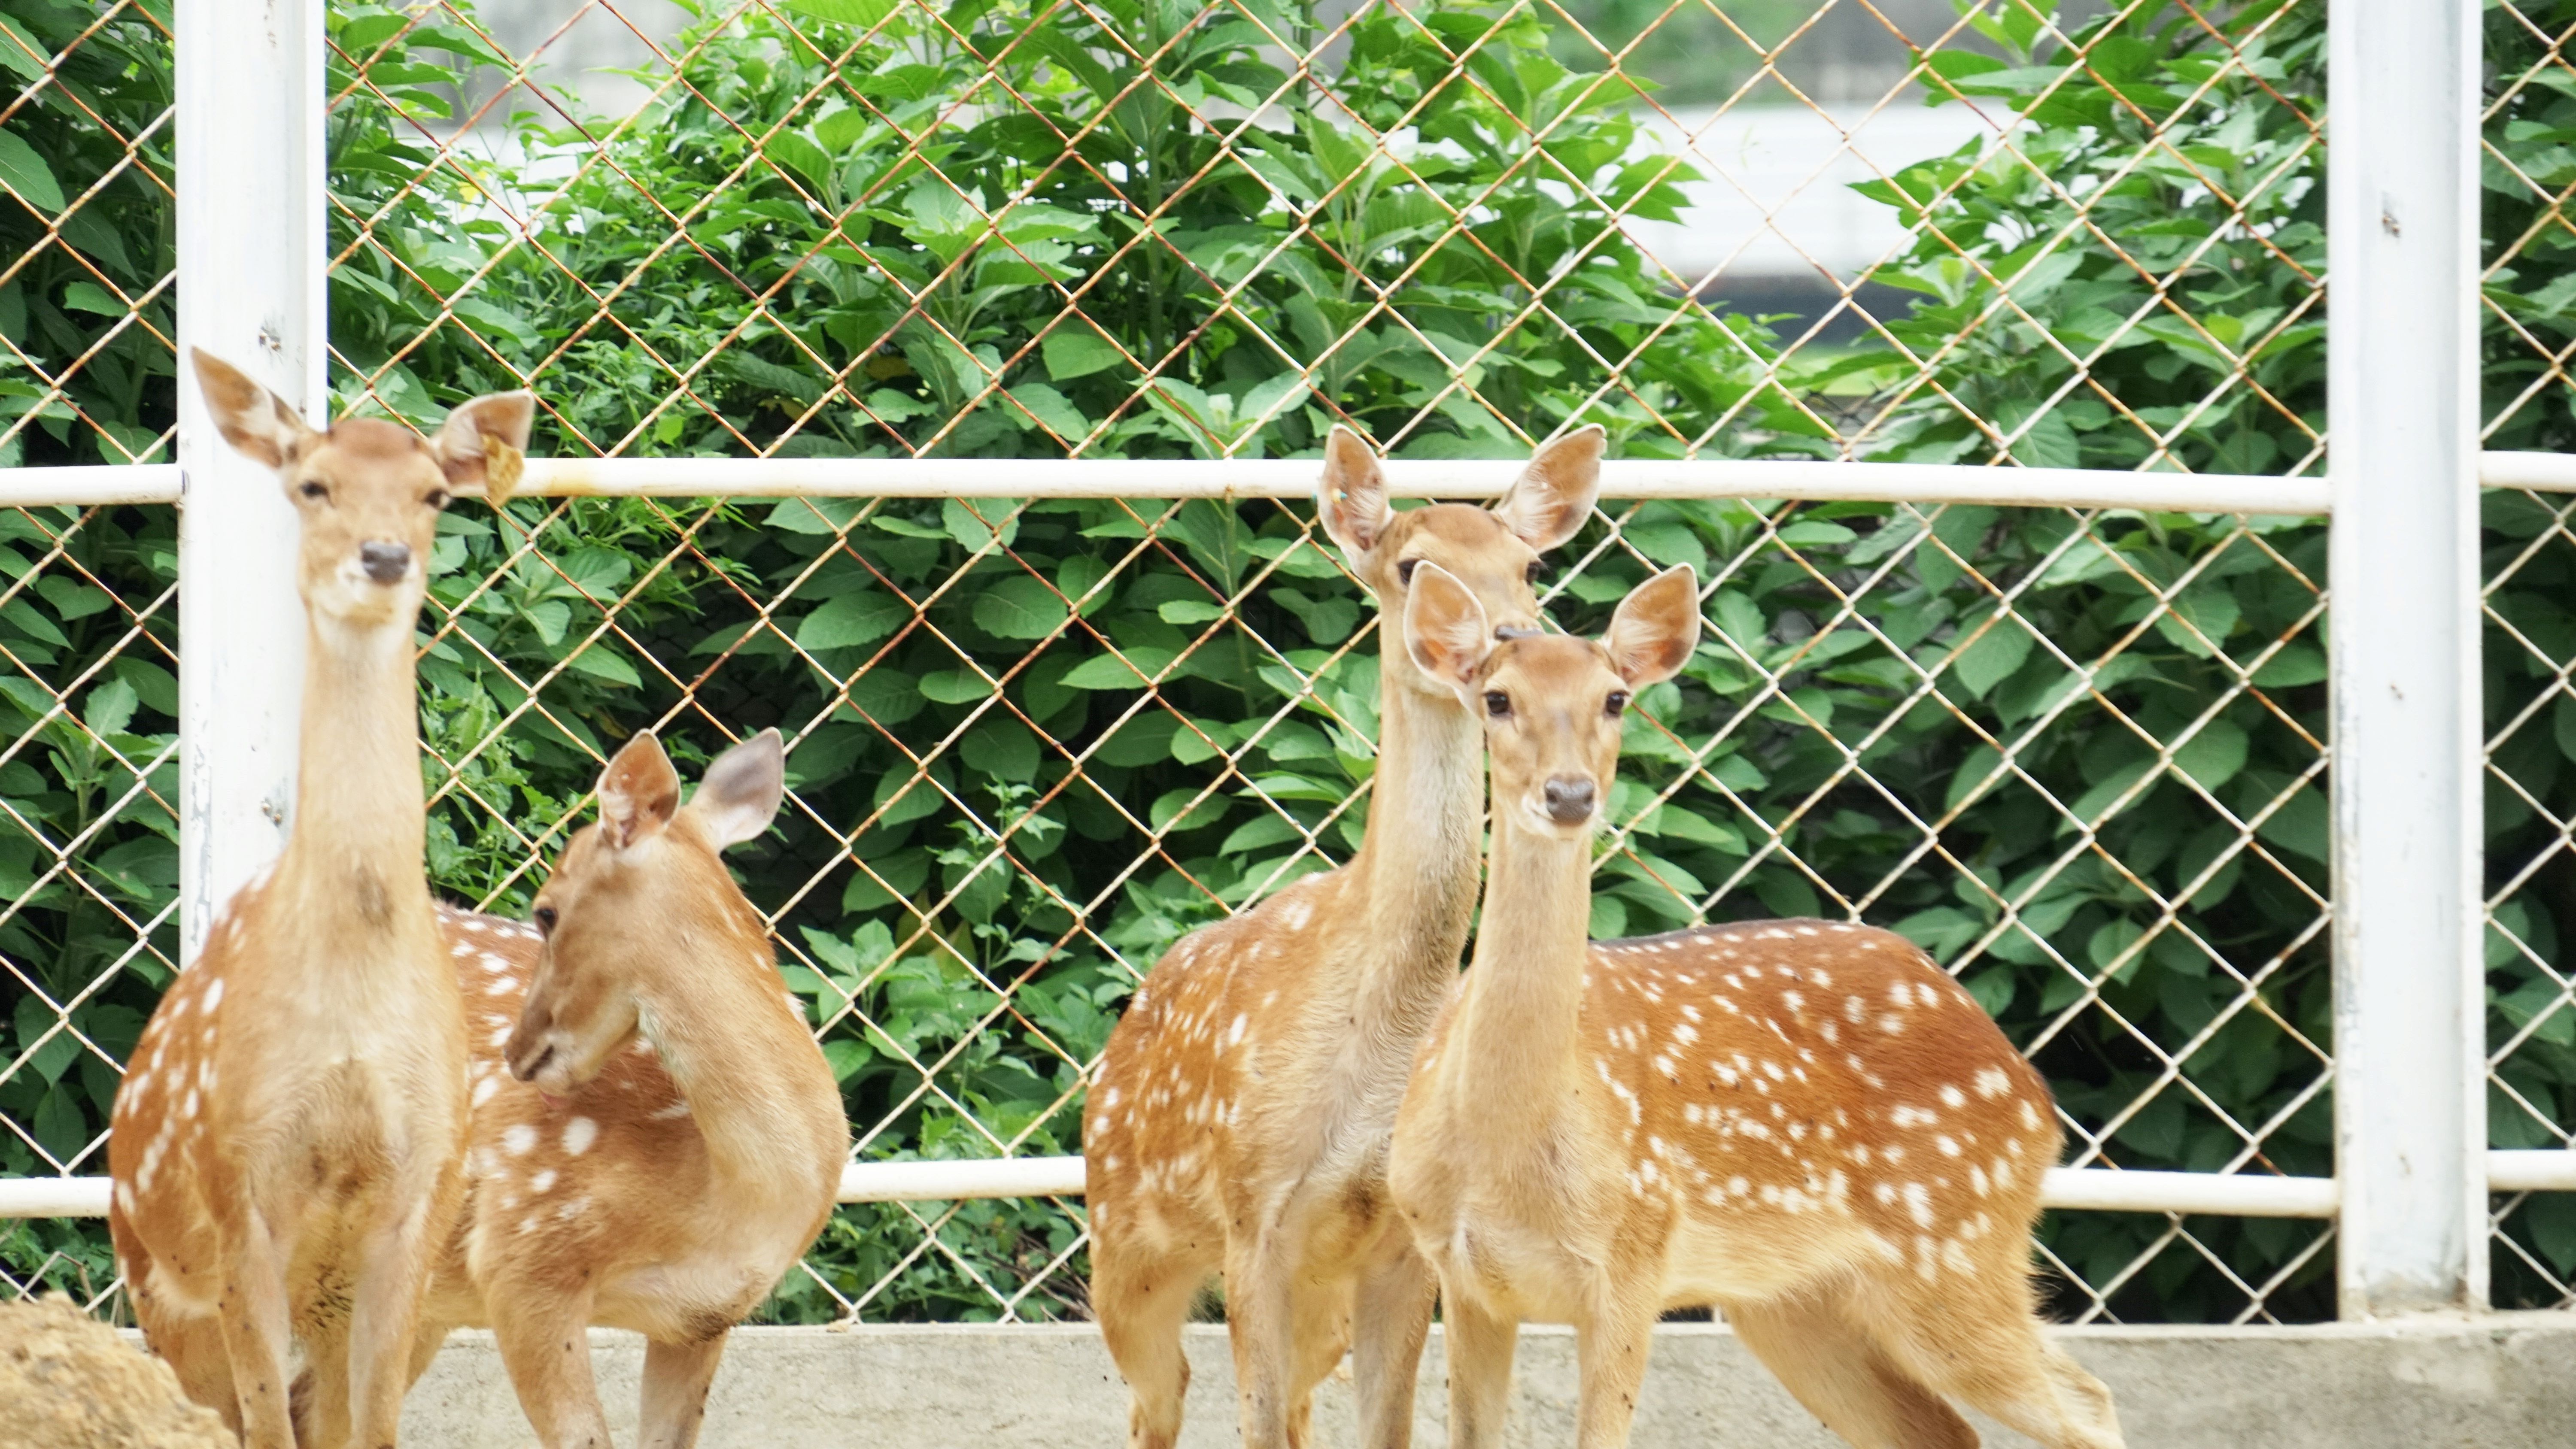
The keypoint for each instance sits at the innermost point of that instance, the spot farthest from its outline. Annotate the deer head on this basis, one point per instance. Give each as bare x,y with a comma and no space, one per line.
369,491
1494,554
617,912
1551,704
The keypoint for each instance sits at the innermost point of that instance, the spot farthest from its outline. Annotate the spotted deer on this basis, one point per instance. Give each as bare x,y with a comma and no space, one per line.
656,1138
1805,1124
285,1144
1239,1117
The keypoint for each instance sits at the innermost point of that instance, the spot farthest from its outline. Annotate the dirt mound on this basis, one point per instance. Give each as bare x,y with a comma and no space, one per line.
68,1382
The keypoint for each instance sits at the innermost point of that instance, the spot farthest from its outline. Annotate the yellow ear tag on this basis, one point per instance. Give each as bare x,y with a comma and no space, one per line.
502,466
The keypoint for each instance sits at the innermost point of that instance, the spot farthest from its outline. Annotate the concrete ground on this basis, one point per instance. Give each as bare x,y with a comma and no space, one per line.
2507,1381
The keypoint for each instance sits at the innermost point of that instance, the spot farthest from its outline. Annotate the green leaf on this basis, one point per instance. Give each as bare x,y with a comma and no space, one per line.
861,13
1993,656
110,708
852,620
1111,672
25,173
1075,351
602,662
2214,755
91,297
1019,608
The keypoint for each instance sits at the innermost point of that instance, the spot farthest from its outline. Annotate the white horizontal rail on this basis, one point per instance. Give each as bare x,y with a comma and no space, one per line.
90,487
83,487
2547,1171
1415,478
2081,1189
2546,472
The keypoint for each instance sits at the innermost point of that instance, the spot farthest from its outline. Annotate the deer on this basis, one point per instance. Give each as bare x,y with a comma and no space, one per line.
656,1138
1807,1125
285,1145
1237,1123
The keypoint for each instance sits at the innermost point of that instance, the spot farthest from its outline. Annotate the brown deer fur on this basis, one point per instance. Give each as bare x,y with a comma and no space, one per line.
1805,1124
1238,1121
285,1143
656,1138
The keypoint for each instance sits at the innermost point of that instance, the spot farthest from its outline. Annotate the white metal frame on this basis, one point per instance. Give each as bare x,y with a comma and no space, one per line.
2412,1172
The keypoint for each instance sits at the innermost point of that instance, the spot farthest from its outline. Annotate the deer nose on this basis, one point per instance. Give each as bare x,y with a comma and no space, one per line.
385,562
1569,799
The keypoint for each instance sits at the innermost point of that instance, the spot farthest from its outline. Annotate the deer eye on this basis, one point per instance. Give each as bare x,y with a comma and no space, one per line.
1404,572
1497,703
1617,704
546,919
314,490
437,498
1537,567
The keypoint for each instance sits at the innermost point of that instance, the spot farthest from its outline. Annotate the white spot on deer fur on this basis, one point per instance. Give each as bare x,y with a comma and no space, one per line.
2029,1116
519,1139
1924,993
495,964
188,1108
1892,1024
1234,1033
485,1090
214,993
1918,1202
578,1134
500,987
1295,914
1775,934
1953,1097
1793,1001
543,1182
1977,1179
1949,1146
1854,1009
501,1037
1992,1083
125,1199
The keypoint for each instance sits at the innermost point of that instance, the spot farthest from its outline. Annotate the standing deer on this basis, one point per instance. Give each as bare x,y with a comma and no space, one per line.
1805,1124
1239,1119
656,1137
285,1144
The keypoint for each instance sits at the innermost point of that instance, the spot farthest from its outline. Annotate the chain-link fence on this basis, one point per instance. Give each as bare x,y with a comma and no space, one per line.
2078,753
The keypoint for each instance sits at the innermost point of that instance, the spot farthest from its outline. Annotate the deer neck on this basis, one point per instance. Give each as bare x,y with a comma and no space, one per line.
1514,1057
745,1064
354,854
1416,866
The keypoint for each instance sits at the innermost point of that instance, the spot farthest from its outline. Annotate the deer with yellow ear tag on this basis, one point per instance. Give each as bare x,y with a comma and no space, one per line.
1803,1123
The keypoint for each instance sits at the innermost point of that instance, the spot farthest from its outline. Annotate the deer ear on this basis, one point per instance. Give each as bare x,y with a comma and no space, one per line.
258,423
638,792
743,789
1655,628
1553,496
483,443
1444,628
1350,498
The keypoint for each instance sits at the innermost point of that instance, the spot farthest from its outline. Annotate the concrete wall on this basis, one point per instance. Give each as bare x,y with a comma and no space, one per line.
2503,1382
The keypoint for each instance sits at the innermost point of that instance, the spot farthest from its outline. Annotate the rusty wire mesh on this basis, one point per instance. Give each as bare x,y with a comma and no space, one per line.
2530,710
2076,754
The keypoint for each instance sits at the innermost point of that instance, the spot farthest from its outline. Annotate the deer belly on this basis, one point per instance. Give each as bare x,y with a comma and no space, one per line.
1752,1256
697,1294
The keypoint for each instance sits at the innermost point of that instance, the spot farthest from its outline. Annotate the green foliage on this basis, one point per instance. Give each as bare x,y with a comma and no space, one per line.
85,233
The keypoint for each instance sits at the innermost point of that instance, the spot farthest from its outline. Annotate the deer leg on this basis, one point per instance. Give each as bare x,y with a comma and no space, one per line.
1988,1350
1479,1345
1141,1303
544,1340
1322,1325
320,1398
1391,1318
253,1316
384,1315
1610,1349
676,1376
1261,1325
194,1349
1844,1378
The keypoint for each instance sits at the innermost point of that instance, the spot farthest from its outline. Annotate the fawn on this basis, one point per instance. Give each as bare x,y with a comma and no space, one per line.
1238,1121
1805,1124
286,1140
656,1137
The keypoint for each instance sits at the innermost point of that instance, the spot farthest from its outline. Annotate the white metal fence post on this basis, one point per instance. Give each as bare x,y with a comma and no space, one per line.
251,244
2402,224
